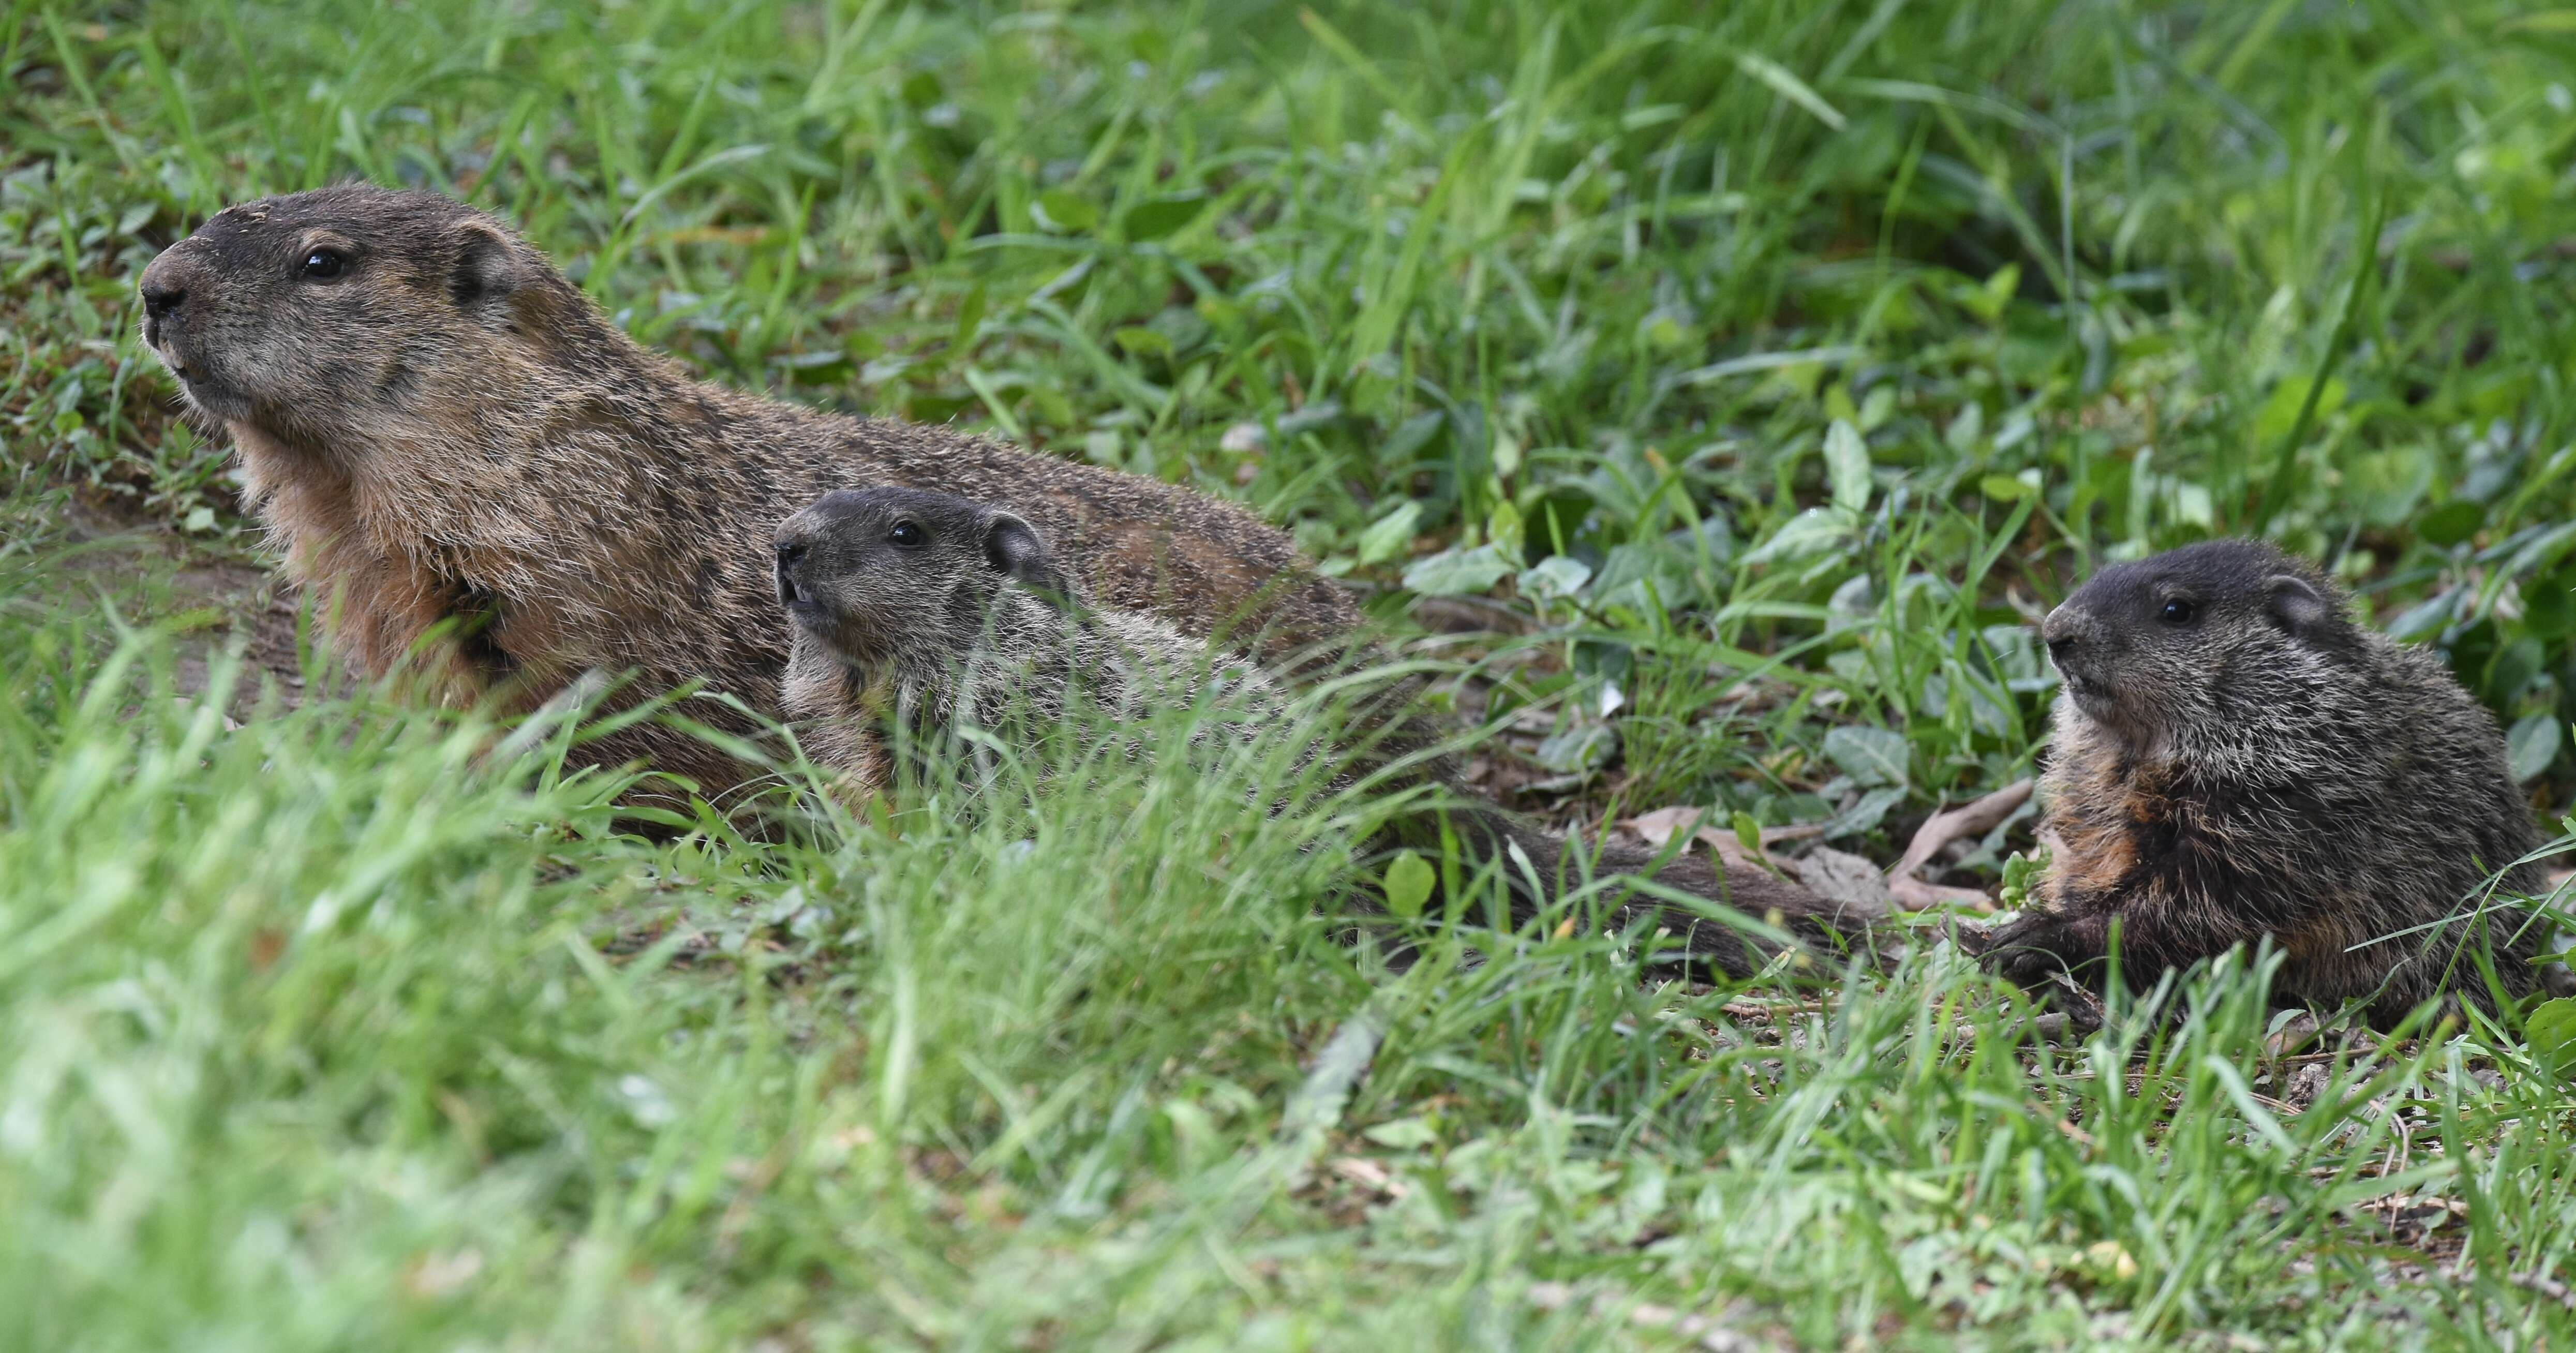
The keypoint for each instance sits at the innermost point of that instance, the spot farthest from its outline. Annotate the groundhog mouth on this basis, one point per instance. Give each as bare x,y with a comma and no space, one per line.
810,609
817,618
810,614
200,386
2091,695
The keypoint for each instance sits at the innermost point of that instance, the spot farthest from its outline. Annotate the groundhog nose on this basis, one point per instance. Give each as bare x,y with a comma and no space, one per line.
2059,632
790,554
164,284
160,300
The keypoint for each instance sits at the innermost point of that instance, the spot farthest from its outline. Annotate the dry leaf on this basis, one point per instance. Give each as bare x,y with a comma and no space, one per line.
1916,895
1847,880
1656,828
1971,819
1370,1175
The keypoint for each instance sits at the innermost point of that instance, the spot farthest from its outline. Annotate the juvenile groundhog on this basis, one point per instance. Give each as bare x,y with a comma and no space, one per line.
446,435
2235,758
929,611
921,611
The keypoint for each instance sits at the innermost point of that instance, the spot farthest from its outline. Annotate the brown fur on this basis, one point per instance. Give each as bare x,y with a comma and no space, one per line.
446,437
2236,759
448,432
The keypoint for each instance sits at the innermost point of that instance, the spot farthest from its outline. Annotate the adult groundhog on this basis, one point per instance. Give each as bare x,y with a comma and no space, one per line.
445,435
919,612
2235,758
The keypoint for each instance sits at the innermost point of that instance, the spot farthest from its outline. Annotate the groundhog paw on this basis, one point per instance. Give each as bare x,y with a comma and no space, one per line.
2026,952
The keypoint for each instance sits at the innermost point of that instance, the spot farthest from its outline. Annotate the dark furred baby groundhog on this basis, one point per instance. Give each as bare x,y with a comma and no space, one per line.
927,611
2236,758
443,433
921,611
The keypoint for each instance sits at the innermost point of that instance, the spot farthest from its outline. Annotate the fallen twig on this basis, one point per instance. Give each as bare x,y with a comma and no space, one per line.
2546,1286
1917,895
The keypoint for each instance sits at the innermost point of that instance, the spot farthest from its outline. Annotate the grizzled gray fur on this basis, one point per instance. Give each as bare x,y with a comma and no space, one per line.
927,611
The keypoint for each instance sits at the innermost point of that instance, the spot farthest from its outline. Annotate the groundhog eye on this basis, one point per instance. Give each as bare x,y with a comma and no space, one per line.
2179,612
906,534
324,264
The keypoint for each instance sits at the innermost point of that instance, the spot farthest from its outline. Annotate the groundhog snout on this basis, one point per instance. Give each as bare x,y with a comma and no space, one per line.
795,591
159,300
165,287
2072,638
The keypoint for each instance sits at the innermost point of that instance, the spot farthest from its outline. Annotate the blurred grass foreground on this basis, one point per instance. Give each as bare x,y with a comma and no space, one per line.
1745,376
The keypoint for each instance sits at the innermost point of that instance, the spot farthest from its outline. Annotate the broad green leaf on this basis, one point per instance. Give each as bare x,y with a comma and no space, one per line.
1871,756
2280,412
2532,745
1454,573
2451,523
2549,605
818,368
1813,531
2551,1028
2425,618
1554,578
1579,749
1138,341
1748,833
2193,506
1967,428
1408,883
1404,1134
1987,301
1877,407
1067,212
1157,217
1388,535
1847,467
2387,486
2511,671
1866,812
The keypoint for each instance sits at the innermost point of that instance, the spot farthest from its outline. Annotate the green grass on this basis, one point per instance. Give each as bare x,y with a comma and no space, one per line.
1772,361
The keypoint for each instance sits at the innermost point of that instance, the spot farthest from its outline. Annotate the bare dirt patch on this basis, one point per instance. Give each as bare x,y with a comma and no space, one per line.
217,601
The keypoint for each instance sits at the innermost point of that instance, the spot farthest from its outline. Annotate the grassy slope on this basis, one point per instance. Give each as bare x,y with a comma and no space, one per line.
309,1038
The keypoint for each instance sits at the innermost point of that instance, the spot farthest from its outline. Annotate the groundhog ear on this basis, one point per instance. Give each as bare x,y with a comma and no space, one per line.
2297,604
1012,546
486,267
